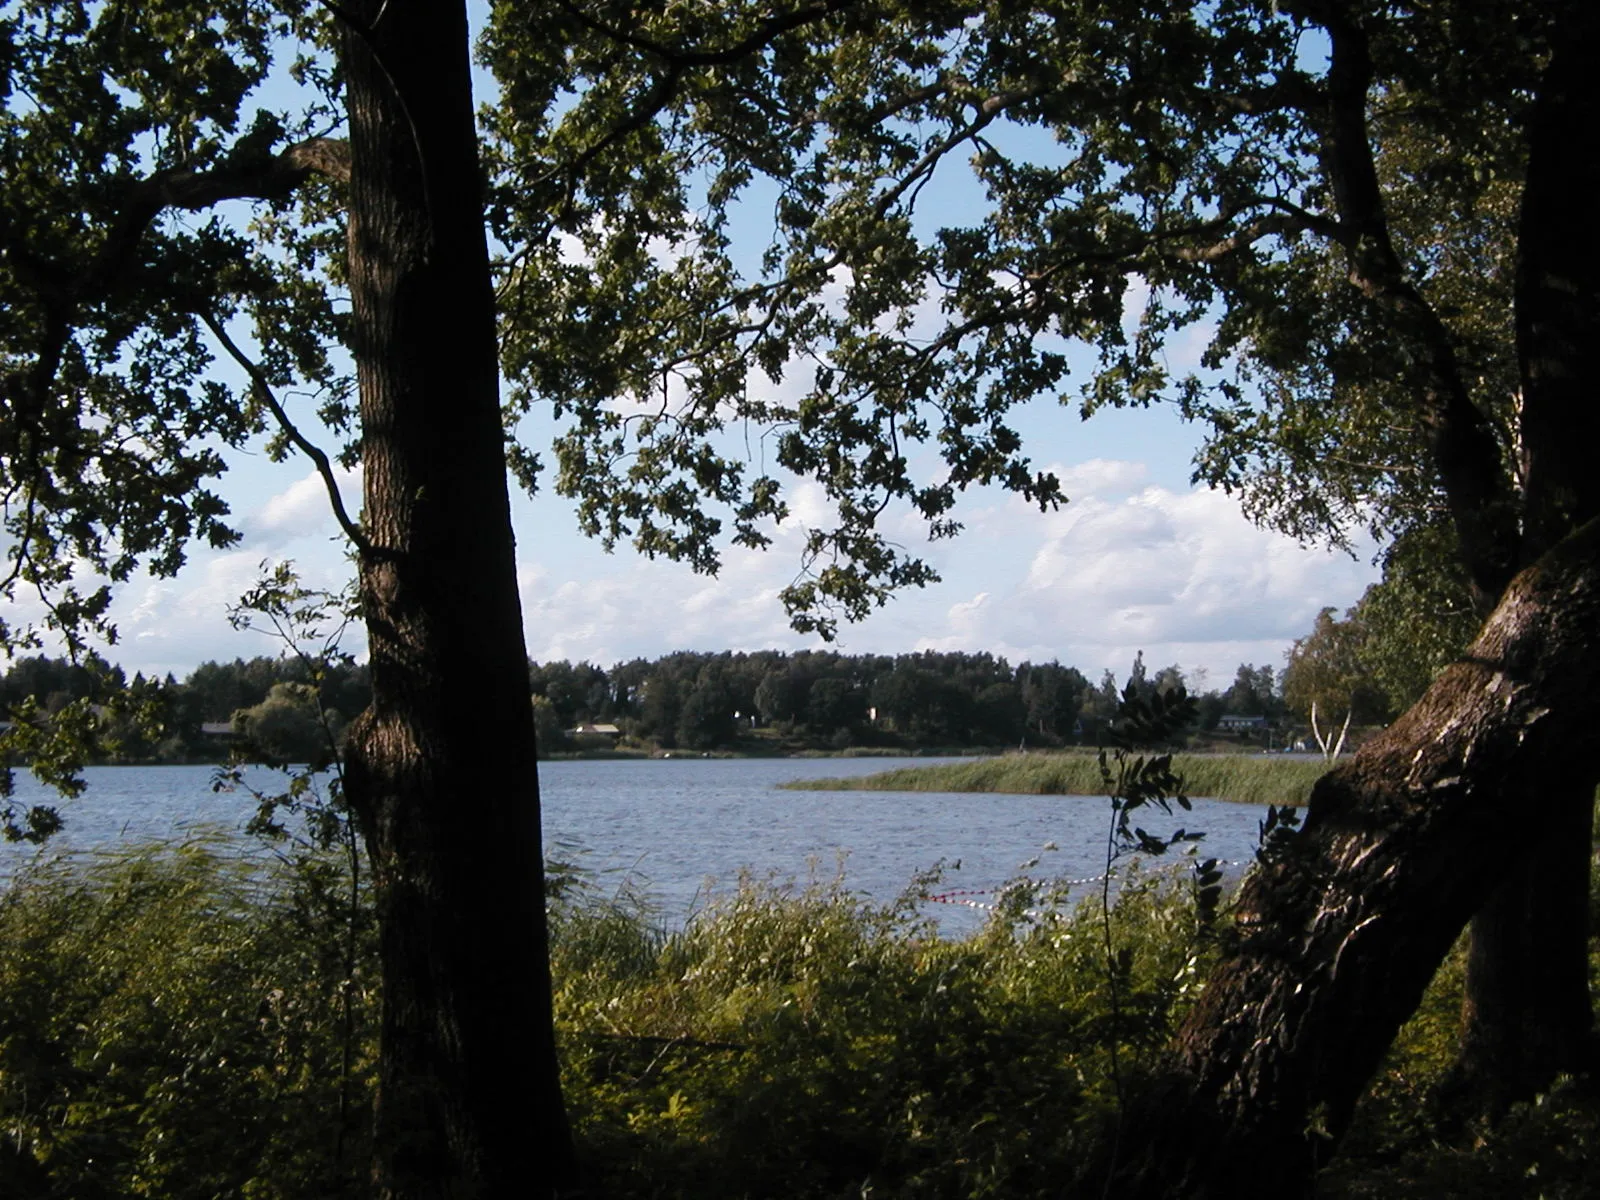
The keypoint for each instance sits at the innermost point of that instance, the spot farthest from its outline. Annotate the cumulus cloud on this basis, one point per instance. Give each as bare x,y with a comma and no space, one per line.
176,624
1180,575
1125,566
1099,477
302,509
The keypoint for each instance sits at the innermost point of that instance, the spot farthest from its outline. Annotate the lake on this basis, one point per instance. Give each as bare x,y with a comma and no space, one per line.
680,830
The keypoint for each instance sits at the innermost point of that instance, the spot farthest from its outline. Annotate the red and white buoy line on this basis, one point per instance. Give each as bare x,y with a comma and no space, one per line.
960,896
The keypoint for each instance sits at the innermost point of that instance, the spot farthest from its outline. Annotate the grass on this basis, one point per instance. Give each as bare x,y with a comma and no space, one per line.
1240,778
174,1016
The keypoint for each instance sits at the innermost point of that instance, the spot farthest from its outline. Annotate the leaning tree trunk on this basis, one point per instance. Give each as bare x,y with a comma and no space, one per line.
441,769
1527,1016
1336,939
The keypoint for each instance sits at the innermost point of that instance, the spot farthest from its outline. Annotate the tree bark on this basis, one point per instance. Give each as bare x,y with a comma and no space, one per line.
441,768
1336,939
1527,1016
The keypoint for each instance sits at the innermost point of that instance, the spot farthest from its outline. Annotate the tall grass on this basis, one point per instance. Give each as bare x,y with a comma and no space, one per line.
171,1019
174,1026
1246,780
805,1044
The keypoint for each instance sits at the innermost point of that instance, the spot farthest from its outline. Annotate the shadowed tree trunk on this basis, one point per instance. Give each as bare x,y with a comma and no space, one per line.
1527,1016
441,770
1476,801
1338,938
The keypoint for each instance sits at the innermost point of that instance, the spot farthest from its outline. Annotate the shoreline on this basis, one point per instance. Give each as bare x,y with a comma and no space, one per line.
1239,779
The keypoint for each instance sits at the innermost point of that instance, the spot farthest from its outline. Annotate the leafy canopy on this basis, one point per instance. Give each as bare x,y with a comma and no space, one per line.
730,255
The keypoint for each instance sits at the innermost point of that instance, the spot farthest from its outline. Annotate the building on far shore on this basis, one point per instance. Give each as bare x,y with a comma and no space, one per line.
590,729
1235,723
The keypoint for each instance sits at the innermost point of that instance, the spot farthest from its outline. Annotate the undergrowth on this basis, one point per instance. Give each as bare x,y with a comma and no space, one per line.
173,1027
807,1044
173,1021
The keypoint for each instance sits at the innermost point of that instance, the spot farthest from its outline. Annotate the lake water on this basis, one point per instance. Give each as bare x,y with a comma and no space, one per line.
681,830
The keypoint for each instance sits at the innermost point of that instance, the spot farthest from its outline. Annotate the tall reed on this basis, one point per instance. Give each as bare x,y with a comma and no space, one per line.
1245,779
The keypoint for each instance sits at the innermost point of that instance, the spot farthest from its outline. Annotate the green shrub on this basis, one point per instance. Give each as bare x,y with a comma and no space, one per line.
807,1044
175,1026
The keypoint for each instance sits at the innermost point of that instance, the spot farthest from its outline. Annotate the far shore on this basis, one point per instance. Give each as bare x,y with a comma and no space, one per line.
1239,778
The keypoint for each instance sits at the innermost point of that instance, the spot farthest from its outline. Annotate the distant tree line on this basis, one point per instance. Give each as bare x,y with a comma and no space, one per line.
690,701
284,709
701,701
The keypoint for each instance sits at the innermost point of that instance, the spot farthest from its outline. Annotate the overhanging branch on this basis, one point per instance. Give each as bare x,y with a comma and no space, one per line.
1464,448
247,174
263,391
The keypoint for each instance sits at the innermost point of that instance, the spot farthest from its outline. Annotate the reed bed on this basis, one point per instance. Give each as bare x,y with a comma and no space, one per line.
1243,779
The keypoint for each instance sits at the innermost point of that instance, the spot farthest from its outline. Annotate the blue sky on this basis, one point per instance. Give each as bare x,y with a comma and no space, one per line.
1137,560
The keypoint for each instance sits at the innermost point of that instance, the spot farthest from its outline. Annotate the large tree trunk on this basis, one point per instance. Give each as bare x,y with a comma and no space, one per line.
1527,1016
441,769
1337,939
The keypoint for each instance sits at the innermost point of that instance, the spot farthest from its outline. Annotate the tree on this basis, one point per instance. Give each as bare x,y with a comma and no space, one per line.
1053,696
549,731
289,726
1419,618
1389,258
1326,670
1252,692
1196,150
706,719
781,696
833,706
121,277
133,117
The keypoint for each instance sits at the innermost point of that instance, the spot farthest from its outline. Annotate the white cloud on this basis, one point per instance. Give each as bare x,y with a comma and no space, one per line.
1099,477
302,509
1180,575
1126,566
175,624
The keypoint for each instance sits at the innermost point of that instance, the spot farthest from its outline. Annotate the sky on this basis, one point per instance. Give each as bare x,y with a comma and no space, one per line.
1137,560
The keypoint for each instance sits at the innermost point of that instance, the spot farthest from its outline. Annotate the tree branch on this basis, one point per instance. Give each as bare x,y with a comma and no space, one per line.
263,391
248,174
1248,236
760,38
662,91
1464,448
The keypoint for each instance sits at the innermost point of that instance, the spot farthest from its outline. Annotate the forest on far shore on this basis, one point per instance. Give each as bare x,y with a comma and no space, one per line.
770,701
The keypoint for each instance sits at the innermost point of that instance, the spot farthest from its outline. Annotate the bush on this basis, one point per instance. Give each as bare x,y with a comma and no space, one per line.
176,1026
805,1044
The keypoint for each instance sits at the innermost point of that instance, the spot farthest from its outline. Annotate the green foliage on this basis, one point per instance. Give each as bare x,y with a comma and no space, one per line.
1420,617
63,714
116,119
1397,1146
548,732
185,1023
1128,174
1328,672
289,726
804,1044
